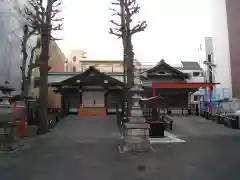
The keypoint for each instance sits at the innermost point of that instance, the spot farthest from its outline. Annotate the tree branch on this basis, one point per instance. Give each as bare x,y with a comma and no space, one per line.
57,3
139,28
55,39
115,23
58,27
119,35
115,12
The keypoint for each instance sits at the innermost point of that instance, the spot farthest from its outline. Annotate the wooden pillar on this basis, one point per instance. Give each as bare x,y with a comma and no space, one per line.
62,105
80,101
210,99
153,91
80,97
105,102
105,99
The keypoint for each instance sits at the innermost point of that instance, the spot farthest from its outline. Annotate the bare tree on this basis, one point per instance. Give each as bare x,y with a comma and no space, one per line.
42,21
26,36
125,29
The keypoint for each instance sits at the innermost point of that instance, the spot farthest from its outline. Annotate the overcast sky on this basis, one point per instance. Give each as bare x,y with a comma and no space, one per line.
175,29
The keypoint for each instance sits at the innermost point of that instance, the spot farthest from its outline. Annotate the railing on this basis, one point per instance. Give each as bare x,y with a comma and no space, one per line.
232,122
103,68
168,122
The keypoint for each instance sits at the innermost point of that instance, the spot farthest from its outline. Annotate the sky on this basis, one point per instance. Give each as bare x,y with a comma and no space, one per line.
175,30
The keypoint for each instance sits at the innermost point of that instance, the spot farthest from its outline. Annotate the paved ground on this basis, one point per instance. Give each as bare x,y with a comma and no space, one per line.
196,126
86,149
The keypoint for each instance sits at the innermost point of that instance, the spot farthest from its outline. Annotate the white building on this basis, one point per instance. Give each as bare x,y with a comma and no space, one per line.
11,33
75,60
220,47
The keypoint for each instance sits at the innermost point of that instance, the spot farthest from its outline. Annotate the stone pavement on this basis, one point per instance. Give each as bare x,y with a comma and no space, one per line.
195,126
85,148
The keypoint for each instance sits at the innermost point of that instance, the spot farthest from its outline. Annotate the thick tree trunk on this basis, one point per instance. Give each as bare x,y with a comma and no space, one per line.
43,99
43,89
43,94
130,72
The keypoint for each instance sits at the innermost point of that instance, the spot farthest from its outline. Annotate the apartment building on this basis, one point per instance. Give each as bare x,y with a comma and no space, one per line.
78,62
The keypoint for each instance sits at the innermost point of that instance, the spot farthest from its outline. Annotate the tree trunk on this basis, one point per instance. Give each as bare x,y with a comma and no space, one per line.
43,89
43,94
29,73
24,60
130,73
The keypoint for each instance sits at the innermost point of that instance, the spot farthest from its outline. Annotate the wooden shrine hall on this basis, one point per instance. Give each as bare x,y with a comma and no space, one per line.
172,85
95,89
89,91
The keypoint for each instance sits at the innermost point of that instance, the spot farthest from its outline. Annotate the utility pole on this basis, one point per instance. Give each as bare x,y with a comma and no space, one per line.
210,66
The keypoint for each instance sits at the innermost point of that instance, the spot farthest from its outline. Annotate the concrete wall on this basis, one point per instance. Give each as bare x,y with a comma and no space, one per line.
57,58
56,62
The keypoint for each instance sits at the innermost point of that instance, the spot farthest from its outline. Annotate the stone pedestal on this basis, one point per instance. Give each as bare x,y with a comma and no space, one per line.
136,137
136,131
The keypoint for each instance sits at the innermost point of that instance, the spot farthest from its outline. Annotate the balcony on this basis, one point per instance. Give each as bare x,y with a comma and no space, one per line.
112,68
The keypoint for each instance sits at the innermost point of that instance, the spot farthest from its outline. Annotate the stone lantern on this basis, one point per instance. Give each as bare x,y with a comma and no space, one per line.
136,129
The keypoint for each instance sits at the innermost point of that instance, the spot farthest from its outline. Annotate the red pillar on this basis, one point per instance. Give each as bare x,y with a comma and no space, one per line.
23,122
210,99
79,110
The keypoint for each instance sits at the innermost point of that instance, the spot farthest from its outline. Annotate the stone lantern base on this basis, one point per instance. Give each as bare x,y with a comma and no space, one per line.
136,138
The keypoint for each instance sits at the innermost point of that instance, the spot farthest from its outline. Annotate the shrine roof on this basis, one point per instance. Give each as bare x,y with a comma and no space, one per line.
57,77
163,64
91,73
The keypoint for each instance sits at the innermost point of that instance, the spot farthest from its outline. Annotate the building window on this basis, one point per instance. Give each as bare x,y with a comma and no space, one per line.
196,74
74,68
